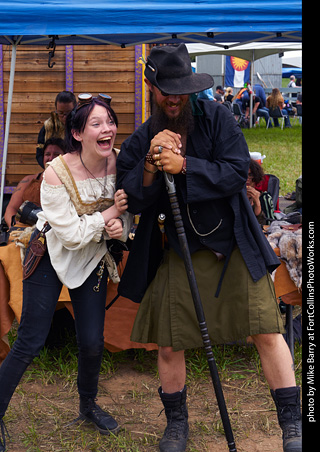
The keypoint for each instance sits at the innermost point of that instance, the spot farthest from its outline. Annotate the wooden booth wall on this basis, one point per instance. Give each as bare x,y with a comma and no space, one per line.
105,69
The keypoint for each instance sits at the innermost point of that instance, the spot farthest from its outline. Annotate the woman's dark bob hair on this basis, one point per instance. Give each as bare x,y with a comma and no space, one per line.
77,119
256,170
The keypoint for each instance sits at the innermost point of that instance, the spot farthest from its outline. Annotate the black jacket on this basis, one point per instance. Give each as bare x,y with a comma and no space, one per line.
213,188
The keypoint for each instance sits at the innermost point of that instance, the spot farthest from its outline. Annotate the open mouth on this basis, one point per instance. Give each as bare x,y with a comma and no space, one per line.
104,141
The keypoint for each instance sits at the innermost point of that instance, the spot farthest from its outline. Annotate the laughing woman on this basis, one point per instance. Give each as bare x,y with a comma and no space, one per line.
81,214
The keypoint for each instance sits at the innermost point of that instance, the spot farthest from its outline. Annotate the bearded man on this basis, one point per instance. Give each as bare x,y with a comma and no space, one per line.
200,143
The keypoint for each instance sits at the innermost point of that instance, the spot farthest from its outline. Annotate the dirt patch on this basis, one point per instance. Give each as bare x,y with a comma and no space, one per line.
41,415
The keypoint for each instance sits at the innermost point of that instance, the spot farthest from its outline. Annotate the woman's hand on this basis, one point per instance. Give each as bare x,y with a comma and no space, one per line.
254,198
114,228
121,201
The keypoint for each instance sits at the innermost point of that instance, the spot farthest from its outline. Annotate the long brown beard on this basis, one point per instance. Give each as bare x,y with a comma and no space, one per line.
182,124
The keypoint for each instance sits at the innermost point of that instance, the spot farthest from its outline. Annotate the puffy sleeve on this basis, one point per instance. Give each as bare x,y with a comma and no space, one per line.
73,231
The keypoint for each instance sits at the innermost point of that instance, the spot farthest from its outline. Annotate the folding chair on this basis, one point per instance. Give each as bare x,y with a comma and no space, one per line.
276,113
271,184
237,113
299,112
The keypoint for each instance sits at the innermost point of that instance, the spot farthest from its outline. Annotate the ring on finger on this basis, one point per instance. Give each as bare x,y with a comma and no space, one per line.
158,163
156,156
160,149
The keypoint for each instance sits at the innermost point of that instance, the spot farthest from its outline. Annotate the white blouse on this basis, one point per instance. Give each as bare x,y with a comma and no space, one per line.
74,242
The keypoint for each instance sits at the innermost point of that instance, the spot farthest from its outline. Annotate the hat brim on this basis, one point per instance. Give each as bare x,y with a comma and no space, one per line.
190,84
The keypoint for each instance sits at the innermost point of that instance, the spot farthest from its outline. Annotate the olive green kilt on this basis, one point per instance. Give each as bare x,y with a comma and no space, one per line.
167,317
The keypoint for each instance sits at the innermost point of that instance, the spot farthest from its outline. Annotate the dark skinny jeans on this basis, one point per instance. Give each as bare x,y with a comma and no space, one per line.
40,294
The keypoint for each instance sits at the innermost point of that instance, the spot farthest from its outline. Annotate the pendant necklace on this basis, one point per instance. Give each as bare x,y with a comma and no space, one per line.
89,173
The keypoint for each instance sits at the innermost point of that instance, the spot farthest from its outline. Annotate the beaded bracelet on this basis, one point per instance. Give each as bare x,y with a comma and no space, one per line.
149,158
184,166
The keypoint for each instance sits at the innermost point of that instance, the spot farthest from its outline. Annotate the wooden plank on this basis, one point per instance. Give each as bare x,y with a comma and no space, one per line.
102,55
39,118
106,69
36,97
92,65
103,76
119,106
21,159
28,129
79,65
25,148
107,47
28,86
21,169
44,76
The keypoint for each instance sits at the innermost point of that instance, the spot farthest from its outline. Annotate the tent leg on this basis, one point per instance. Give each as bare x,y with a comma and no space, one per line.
8,117
251,95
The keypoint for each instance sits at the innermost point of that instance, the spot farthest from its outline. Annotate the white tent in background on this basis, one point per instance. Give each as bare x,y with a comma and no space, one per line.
250,51
293,58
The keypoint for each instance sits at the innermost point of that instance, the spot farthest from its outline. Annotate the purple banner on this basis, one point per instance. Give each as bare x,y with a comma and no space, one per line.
139,69
1,109
69,68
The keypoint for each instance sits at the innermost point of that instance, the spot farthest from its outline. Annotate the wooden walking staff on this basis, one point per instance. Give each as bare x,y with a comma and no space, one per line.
199,310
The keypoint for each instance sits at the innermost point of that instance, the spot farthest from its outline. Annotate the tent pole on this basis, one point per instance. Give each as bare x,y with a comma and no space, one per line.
251,95
8,117
143,88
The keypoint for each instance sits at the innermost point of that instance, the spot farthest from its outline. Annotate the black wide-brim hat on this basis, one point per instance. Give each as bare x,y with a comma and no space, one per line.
169,69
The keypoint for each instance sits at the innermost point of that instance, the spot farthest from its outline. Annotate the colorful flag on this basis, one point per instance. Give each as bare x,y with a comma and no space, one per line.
237,72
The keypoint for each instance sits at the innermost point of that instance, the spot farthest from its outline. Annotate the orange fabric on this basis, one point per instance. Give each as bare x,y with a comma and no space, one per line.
284,286
32,192
118,321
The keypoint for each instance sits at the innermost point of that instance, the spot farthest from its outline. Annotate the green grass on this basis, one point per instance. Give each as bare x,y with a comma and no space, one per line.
239,366
283,151
45,403
282,148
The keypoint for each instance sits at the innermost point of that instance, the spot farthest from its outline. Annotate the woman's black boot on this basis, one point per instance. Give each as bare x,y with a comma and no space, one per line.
176,433
102,421
287,401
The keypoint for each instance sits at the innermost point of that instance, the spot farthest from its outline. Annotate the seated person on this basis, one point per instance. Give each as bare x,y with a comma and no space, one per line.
276,100
242,98
219,94
28,188
55,125
258,89
228,97
299,99
261,202
260,111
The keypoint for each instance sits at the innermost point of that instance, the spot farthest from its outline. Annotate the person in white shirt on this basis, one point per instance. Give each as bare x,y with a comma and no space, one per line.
85,213
292,83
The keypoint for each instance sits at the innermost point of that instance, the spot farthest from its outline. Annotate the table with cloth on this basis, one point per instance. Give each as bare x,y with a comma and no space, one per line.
119,317
286,240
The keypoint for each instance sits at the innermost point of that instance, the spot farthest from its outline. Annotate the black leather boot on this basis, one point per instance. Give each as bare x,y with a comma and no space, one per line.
176,433
102,421
287,401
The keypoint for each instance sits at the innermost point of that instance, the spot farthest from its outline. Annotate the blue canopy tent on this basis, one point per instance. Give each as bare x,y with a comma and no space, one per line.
221,23
288,71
